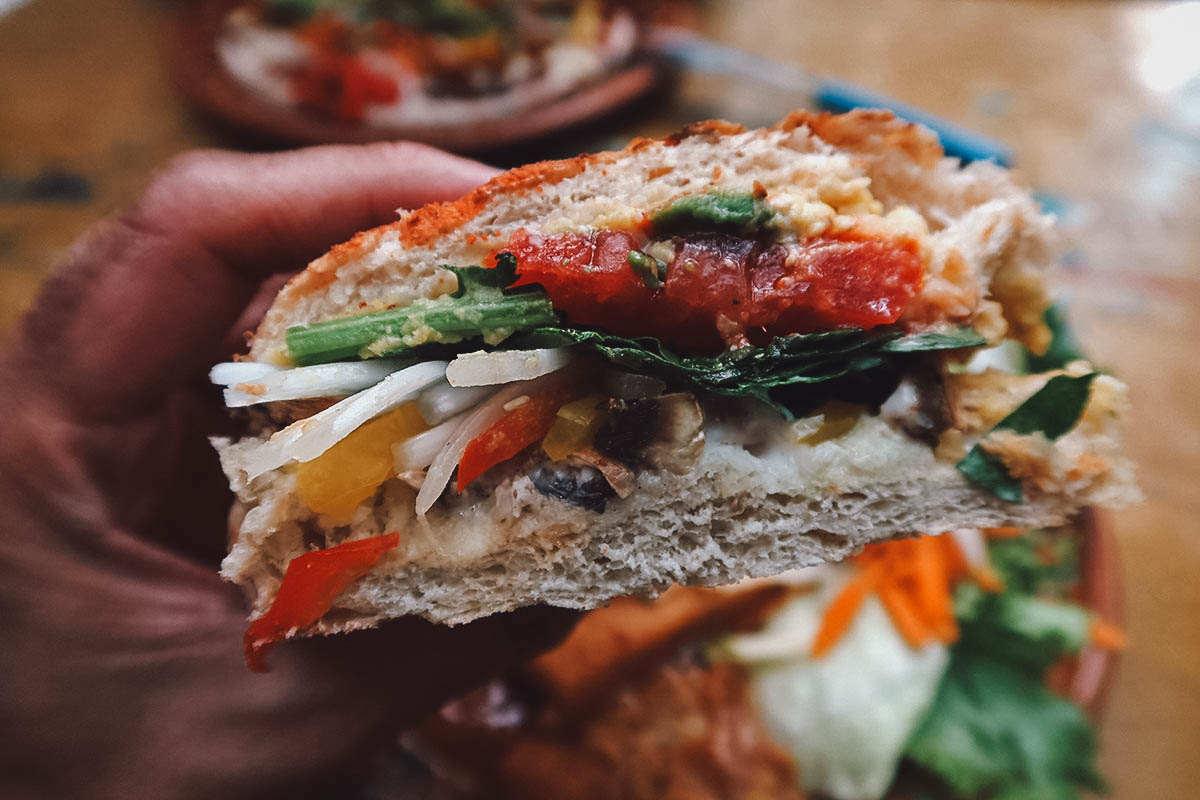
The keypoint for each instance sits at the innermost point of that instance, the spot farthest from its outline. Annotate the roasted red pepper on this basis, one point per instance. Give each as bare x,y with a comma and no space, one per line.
310,585
723,290
516,430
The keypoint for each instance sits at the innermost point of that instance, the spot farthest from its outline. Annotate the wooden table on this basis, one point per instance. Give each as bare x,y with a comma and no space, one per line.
1100,100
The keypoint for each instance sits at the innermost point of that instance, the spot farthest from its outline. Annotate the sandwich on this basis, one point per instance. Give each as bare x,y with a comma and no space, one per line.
426,63
722,354
924,667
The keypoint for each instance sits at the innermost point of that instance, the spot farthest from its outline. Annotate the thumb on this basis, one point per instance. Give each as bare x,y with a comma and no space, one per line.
145,301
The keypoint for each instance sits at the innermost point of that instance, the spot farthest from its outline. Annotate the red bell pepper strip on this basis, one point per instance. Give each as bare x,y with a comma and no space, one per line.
512,433
310,585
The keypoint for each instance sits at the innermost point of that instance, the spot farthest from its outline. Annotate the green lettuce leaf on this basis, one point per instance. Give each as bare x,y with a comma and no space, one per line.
1034,621
1020,629
1052,410
1043,562
995,731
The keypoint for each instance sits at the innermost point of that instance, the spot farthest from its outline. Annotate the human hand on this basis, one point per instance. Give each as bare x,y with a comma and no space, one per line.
120,648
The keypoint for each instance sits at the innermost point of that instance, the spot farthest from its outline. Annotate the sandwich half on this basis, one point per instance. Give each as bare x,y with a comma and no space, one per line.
721,354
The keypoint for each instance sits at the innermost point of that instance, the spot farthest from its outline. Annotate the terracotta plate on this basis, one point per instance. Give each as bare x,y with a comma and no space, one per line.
1088,676
191,54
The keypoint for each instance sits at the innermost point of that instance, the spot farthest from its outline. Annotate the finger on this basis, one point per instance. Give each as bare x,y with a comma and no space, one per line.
145,301
236,337
133,656
266,213
351,693
443,661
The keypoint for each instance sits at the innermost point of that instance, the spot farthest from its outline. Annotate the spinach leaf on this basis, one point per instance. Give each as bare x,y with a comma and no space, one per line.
501,276
786,362
986,470
1052,410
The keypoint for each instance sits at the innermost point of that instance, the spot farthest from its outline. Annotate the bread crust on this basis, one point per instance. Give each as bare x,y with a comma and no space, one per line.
423,227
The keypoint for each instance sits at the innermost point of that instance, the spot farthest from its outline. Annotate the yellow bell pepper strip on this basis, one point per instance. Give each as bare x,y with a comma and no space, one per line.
340,479
575,426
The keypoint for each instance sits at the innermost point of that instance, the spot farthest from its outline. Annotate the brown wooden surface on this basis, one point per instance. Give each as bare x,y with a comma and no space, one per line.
1093,96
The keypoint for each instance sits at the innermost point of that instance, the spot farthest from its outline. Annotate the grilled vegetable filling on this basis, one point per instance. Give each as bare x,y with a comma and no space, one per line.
578,358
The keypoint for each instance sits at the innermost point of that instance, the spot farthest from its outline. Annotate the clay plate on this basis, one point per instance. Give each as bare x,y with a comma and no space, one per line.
190,40
1088,677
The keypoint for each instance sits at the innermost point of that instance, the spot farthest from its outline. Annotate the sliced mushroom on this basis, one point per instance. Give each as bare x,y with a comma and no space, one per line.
619,476
663,432
580,486
919,405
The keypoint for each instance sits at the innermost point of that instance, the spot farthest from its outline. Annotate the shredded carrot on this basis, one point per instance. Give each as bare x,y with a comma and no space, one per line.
915,580
904,614
932,589
1106,635
956,560
1007,532
988,579
841,613
946,629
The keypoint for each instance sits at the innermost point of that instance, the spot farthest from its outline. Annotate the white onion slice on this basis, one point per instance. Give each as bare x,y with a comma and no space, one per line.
418,452
442,401
972,544
476,423
233,372
505,366
308,438
321,380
